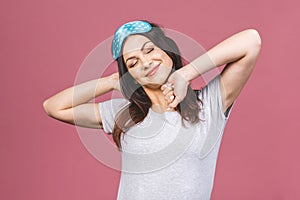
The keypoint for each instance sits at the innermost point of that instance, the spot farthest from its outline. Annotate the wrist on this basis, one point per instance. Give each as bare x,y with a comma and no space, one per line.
188,72
114,81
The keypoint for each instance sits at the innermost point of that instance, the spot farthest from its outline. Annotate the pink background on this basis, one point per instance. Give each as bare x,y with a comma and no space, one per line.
43,44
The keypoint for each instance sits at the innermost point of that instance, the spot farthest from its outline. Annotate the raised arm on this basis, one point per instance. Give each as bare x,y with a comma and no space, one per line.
72,105
239,52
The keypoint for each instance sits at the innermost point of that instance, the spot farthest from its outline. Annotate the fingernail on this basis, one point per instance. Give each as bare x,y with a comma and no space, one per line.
172,97
168,108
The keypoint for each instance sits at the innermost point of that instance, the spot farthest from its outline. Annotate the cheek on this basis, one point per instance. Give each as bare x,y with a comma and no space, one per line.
135,73
168,60
166,70
170,63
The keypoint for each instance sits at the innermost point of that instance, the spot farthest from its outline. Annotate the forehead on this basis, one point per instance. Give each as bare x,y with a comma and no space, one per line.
134,43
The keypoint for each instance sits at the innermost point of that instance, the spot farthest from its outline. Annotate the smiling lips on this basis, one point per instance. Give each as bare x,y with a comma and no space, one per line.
153,71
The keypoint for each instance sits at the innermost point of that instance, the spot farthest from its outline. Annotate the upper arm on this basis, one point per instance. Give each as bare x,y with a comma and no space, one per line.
84,115
235,74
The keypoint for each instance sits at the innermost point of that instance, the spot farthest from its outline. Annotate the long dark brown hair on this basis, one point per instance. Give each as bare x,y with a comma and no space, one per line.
139,102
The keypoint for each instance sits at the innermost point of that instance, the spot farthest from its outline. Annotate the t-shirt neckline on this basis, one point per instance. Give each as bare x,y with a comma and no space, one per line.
163,113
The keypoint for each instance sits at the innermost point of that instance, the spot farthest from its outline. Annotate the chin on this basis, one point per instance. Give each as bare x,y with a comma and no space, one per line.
152,86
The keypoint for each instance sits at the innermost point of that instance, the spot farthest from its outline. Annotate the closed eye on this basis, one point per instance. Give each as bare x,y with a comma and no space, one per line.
151,49
132,65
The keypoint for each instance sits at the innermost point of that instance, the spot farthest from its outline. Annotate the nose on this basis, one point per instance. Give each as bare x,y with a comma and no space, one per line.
147,62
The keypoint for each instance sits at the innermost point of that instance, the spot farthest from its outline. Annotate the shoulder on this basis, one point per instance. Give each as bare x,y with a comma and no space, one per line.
211,90
108,111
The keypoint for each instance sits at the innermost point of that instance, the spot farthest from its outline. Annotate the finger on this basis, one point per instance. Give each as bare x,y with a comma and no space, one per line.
170,85
164,86
174,103
169,97
167,90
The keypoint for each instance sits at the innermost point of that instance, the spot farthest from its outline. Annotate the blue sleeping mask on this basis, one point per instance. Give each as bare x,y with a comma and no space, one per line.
126,30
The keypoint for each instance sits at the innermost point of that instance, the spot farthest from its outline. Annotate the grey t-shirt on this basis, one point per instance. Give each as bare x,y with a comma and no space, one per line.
162,159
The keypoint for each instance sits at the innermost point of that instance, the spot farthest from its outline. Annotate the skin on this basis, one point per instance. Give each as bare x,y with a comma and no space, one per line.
238,52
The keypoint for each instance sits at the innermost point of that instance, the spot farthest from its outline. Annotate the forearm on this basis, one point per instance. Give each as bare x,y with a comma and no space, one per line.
80,94
229,50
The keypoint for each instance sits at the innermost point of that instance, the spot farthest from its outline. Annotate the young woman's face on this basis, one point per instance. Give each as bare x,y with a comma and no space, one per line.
149,65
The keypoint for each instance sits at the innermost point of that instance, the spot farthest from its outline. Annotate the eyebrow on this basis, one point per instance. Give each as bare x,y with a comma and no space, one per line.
142,48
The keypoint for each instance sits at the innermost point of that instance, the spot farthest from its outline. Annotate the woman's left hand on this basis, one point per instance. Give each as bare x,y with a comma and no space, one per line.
176,85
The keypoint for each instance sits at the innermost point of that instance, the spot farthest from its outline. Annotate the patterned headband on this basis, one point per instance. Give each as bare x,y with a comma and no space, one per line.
124,31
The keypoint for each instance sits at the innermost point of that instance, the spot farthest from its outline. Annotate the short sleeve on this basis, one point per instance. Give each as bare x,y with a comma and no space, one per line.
211,95
108,111
212,112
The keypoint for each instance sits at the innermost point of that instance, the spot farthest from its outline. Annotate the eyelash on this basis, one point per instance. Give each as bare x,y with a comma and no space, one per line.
132,65
150,50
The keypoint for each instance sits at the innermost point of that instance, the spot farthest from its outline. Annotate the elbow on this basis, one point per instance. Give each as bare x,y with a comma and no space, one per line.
46,108
50,111
254,38
254,42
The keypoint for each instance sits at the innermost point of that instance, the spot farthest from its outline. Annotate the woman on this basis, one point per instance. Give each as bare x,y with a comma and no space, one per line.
169,135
